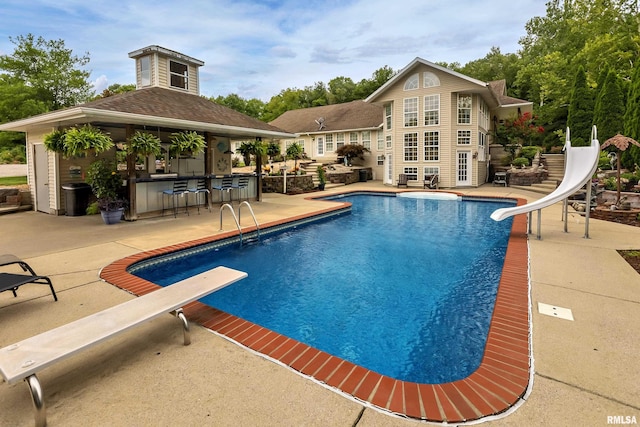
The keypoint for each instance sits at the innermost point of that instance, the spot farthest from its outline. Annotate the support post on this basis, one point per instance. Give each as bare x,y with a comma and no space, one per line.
38,400
185,323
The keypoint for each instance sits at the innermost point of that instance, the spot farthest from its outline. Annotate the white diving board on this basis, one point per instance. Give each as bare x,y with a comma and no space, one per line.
22,360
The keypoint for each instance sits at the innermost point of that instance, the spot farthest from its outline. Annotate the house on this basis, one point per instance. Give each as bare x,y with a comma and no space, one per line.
322,130
438,121
166,101
425,120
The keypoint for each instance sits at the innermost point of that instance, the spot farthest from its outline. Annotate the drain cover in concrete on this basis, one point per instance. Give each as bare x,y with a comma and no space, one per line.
551,310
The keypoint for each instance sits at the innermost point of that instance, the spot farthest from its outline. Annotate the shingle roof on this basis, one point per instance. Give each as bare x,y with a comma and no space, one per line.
173,104
337,117
499,89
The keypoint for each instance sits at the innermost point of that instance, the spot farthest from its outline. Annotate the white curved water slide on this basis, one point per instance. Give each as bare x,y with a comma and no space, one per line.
581,164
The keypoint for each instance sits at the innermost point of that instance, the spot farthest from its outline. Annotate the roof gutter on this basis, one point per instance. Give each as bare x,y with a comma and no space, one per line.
72,115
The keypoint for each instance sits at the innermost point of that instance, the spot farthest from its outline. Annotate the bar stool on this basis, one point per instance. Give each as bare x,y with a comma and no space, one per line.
179,189
227,185
200,188
242,184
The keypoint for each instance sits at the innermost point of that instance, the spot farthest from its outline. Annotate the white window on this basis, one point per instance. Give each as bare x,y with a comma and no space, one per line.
482,137
380,159
145,70
432,146
339,140
431,170
464,109
432,110
483,115
179,75
430,79
380,140
411,147
411,112
412,82
320,145
411,173
389,141
353,138
387,116
366,139
329,143
464,137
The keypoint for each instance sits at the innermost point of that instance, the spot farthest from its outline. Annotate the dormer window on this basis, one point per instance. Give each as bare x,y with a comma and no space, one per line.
179,74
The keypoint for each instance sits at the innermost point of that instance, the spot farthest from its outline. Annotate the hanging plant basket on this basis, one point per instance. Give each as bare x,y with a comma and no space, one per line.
144,144
187,143
78,141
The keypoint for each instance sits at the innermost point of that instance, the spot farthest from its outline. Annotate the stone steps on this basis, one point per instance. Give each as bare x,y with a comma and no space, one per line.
554,164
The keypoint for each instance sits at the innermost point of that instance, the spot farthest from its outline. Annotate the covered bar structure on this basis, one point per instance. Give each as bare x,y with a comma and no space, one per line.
165,102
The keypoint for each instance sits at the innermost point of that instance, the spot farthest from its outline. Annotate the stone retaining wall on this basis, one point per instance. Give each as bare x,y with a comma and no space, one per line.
526,177
10,197
275,184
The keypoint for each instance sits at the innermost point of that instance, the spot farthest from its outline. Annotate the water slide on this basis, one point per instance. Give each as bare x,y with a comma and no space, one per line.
582,163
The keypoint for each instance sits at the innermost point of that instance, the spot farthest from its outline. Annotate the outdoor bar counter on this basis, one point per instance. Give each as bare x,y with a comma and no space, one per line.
149,190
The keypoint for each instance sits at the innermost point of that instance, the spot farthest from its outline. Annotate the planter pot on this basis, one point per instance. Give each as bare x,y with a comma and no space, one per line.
112,217
321,187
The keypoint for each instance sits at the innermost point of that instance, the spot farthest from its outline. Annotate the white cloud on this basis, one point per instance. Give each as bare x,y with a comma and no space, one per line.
100,84
256,48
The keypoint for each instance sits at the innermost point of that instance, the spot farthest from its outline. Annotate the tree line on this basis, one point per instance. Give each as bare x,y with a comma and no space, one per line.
566,60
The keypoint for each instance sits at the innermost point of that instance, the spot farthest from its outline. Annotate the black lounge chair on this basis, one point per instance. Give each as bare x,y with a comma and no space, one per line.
431,181
11,281
402,180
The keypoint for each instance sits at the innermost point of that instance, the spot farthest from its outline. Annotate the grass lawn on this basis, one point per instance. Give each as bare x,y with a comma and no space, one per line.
13,180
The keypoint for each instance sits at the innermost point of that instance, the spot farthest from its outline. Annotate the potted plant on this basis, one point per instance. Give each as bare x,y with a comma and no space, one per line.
187,143
144,144
54,141
322,177
106,183
78,141
294,151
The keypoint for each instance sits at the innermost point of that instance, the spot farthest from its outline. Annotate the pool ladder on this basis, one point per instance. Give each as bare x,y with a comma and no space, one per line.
237,219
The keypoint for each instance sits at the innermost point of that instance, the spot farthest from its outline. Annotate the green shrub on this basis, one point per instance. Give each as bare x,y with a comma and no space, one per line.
529,152
611,183
520,161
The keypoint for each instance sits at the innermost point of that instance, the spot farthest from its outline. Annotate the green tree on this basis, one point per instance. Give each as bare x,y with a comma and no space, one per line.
52,70
494,66
608,114
631,156
580,110
251,107
116,89
341,89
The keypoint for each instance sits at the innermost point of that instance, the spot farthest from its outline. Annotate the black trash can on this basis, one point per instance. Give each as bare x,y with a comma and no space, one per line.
364,174
76,198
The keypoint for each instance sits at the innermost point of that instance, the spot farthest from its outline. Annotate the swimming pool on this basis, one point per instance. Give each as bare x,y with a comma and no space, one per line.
500,382
402,286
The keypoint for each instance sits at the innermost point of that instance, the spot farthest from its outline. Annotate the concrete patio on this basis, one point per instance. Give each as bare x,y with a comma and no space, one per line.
586,370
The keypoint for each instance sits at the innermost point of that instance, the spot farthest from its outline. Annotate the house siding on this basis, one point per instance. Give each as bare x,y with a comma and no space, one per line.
450,87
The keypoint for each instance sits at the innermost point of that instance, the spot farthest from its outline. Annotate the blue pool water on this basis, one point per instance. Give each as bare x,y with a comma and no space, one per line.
402,286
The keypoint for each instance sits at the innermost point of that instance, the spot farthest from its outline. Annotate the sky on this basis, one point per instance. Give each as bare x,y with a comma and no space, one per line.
257,48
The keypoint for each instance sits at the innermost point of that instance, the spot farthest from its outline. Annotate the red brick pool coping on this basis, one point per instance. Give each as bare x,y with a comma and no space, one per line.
500,381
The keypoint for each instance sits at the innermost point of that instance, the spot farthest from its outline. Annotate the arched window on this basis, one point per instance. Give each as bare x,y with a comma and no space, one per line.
412,82
430,79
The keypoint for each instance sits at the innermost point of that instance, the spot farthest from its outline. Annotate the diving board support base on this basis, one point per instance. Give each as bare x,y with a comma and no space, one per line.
40,411
185,324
